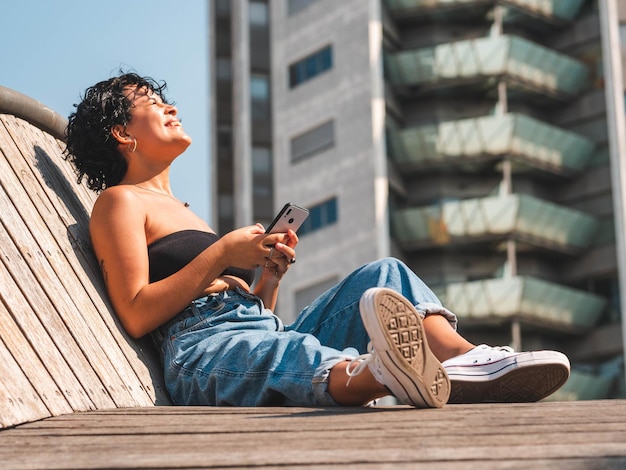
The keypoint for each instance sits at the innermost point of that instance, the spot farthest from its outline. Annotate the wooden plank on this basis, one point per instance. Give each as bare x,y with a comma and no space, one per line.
19,401
44,339
137,363
559,435
58,279
37,281
600,416
30,363
57,173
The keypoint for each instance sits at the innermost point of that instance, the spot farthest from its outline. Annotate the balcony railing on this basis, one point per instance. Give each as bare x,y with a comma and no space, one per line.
525,298
584,386
524,139
550,10
520,216
525,65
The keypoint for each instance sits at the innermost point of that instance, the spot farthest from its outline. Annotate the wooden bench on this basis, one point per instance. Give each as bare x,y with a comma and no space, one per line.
61,347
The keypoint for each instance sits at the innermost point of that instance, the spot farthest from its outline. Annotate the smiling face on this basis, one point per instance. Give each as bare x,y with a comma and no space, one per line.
154,125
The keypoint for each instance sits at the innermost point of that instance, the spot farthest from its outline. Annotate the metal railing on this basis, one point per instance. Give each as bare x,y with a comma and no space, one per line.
527,65
560,10
39,115
524,298
518,215
520,137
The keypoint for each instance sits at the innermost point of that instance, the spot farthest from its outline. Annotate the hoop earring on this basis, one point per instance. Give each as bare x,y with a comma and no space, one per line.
134,146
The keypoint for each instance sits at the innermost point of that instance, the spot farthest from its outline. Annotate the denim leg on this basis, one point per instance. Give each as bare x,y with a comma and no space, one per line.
334,317
229,350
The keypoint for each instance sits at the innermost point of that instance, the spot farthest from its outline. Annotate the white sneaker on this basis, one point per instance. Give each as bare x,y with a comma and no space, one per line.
500,375
399,355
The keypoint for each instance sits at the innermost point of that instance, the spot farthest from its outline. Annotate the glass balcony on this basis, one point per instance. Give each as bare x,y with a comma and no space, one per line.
583,386
525,140
549,10
520,216
525,298
526,66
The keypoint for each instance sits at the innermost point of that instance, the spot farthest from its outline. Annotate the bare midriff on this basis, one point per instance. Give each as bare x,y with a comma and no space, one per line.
224,283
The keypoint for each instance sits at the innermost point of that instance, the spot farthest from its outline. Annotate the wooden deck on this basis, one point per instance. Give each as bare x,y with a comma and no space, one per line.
572,435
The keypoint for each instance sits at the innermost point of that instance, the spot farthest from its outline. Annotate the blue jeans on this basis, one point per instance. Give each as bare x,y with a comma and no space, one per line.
227,349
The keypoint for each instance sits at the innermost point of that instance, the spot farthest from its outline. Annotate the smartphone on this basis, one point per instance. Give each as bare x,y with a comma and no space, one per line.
289,217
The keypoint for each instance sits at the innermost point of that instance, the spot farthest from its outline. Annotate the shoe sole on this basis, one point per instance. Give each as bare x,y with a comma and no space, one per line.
395,328
523,378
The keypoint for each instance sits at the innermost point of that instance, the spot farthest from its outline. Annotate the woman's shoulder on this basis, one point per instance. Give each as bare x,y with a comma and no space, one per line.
117,202
115,195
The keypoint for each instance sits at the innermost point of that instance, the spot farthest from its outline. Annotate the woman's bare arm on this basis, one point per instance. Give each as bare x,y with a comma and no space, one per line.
118,233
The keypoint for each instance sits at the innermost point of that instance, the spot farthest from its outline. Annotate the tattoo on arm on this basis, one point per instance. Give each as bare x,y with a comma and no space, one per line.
104,273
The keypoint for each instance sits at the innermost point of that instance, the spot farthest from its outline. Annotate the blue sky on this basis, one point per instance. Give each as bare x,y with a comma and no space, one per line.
52,50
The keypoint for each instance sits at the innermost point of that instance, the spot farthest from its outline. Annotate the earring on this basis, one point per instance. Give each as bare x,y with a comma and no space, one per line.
134,146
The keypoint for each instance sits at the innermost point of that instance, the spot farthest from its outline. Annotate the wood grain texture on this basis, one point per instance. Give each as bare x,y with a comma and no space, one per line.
62,347
545,435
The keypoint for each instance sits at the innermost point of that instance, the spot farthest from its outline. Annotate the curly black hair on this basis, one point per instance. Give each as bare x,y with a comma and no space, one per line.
90,146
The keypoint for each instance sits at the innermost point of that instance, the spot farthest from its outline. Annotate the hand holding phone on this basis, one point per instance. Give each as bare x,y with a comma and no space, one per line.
290,216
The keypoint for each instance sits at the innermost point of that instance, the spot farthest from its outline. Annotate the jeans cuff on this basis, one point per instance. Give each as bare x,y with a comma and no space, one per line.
430,308
320,377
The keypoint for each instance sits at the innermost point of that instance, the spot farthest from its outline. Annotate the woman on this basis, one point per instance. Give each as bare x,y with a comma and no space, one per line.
167,273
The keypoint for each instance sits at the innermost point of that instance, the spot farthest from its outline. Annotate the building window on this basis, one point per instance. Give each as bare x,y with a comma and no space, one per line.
262,184
226,205
314,141
222,8
261,161
320,216
258,14
311,66
225,142
223,70
260,97
296,6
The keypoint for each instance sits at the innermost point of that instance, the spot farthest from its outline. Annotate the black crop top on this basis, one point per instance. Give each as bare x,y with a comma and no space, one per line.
174,251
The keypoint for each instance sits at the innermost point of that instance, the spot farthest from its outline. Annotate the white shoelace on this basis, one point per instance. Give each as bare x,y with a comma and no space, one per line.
360,363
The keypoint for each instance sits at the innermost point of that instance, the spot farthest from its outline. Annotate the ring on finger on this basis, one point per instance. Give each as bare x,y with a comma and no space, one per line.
292,260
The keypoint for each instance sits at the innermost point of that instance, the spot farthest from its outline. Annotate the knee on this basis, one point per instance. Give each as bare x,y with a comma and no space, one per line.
390,264
389,269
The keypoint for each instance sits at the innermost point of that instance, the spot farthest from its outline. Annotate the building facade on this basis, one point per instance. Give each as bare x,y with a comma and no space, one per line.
477,140
241,123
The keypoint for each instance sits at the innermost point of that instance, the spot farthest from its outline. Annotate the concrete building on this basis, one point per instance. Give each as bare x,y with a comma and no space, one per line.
480,141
